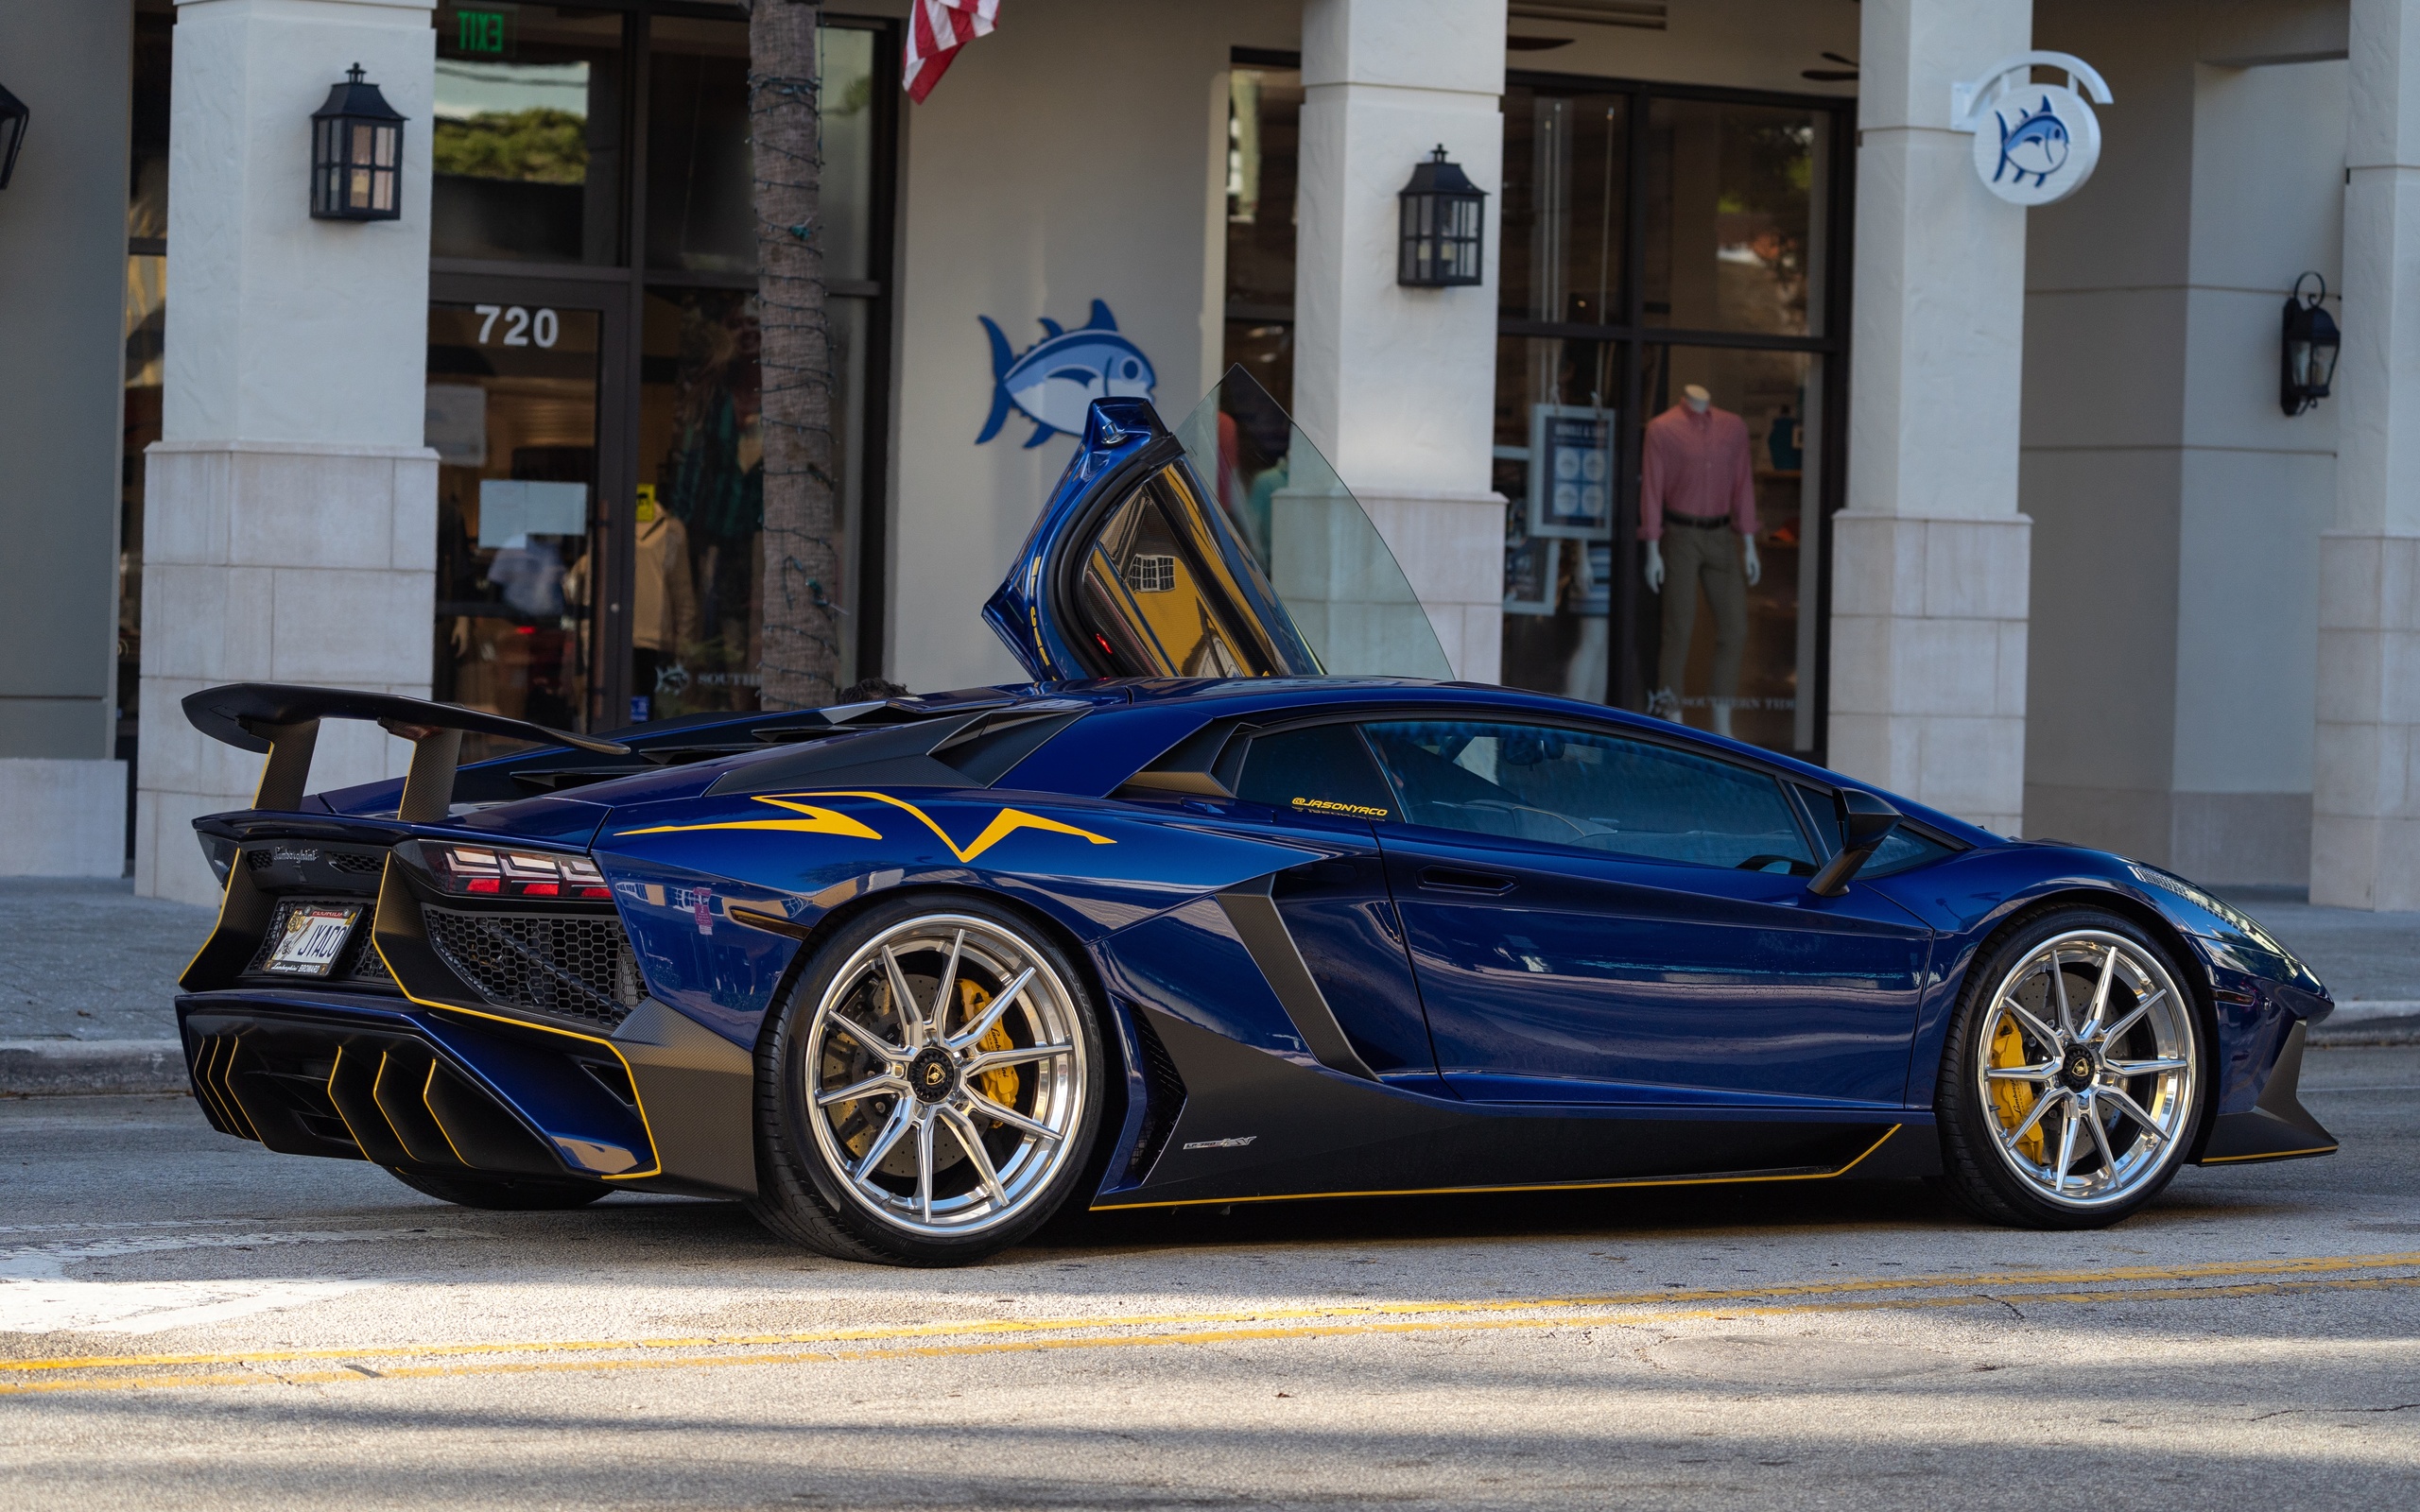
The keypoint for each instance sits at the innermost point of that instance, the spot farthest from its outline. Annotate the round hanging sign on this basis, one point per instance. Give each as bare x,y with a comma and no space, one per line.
2036,143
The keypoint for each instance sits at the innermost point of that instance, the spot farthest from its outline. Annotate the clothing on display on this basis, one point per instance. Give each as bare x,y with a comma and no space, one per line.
1696,492
664,595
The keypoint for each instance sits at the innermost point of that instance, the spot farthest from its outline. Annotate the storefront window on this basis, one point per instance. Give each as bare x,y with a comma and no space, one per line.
526,147
1264,127
1566,217
699,188
1735,228
1689,588
1735,655
511,412
697,613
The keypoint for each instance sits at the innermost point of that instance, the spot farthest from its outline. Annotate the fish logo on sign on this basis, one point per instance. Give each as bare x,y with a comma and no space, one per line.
1054,382
2035,142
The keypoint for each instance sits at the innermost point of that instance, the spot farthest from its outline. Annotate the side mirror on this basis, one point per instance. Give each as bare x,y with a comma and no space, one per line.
1866,821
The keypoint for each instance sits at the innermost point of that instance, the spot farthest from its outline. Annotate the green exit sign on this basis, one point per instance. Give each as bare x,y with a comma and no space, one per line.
483,32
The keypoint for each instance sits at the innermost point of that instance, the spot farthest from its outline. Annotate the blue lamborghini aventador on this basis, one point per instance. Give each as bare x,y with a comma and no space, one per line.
1237,900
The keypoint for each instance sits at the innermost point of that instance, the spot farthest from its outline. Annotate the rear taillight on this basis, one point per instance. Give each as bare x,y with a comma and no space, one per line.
476,871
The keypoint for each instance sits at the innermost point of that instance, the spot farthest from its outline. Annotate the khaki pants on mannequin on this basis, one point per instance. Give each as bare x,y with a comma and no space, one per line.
1694,556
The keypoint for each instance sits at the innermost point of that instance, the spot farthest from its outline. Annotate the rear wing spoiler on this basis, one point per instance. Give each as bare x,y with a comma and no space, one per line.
283,719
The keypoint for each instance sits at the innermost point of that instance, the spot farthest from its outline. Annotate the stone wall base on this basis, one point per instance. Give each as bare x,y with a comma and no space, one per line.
273,562
1928,639
2366,757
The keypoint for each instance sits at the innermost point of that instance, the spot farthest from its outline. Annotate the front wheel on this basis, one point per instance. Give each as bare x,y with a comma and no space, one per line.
2073,1078
932,1088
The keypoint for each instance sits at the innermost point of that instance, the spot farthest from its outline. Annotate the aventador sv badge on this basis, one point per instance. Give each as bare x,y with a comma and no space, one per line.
1236,1144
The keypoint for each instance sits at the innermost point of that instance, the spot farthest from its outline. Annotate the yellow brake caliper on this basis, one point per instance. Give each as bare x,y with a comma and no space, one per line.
999,1083
2014,1099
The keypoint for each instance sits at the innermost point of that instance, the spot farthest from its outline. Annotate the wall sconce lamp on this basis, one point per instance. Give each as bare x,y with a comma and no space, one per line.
357,154
2307,363
1440,246
13,116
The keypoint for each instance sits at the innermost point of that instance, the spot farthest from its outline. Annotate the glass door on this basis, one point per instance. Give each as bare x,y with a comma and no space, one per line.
529,589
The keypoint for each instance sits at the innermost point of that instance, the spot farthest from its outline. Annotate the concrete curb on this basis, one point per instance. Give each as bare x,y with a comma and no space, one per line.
51,1068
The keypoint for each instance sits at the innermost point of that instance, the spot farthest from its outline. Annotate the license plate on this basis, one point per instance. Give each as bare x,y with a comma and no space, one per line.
314,937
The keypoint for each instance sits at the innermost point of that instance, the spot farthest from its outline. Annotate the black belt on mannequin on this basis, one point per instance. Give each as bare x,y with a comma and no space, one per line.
1698,521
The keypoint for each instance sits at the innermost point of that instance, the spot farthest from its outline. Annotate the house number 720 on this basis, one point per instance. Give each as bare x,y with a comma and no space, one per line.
522,327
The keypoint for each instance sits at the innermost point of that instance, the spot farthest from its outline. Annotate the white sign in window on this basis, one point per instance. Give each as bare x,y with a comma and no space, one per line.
514,510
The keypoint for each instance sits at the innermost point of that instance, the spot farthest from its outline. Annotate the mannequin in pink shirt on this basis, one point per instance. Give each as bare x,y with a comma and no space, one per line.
1695,493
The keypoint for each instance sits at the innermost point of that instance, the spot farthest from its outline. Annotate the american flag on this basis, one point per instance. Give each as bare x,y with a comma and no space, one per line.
936,30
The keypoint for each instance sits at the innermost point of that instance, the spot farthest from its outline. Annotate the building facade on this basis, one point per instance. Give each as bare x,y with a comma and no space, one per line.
2010,517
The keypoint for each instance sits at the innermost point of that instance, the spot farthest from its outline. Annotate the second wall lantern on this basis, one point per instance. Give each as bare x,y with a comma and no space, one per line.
357,154
1440,221
2308,361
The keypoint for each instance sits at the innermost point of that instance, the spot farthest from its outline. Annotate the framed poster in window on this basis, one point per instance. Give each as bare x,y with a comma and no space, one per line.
1571,472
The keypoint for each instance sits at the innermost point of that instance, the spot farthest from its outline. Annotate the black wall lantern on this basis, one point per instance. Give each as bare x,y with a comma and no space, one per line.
357,154
13,116
2307,364
1440,226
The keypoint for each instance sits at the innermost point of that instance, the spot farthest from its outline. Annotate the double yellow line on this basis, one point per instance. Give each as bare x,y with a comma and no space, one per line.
2130,1284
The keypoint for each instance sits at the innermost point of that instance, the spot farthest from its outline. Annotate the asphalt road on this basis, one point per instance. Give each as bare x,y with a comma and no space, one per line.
188,1322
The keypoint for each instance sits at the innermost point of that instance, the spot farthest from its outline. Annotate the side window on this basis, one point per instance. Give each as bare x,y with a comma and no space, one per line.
1594,791
1323,769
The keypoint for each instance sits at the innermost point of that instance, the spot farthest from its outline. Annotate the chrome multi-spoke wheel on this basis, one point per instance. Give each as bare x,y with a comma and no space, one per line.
2080,1057
943,1075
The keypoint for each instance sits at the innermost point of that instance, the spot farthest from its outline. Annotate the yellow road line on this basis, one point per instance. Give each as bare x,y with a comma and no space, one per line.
1213,1337
2026,1281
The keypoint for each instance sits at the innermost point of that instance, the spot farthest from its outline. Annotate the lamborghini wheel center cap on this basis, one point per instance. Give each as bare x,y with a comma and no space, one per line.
2080,1069
933,1073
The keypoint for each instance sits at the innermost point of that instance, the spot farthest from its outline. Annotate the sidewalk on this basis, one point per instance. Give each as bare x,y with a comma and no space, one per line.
87,975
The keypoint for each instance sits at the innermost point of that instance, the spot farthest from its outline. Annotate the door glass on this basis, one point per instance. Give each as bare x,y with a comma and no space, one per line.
1598,792
526,147
1566,218
1557,451
1735,203
512,413
1309,535
1264,134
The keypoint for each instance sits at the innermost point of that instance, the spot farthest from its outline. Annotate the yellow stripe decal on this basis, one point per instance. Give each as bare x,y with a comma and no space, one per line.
1539,1186
823,821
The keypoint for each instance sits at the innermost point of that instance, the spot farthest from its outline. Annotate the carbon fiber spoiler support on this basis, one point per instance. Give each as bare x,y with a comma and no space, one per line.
283,719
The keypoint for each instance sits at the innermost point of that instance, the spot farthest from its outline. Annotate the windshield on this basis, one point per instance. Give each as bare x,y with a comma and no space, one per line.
1311,538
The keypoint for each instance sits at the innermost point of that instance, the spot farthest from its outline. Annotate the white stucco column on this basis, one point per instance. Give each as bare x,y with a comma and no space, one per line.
290,519
1397,386
2366,797
1930,557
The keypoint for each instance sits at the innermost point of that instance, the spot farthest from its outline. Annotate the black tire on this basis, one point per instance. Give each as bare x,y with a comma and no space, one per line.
2000,1160
808,1196
503,1194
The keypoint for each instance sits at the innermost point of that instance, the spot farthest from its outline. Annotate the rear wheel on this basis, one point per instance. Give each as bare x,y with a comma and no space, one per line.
932,1089
2073,1078
502,1194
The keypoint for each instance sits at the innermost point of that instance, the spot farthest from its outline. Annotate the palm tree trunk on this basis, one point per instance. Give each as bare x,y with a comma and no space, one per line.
800,665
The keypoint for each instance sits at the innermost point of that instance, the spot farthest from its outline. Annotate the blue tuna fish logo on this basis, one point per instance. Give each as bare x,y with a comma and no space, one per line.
2037,144
1056,380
